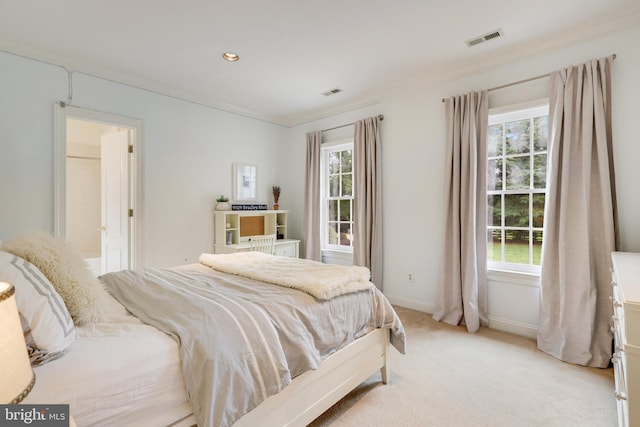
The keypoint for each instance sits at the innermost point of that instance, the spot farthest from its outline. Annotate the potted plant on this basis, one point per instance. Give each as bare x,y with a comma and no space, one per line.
276,196
223,203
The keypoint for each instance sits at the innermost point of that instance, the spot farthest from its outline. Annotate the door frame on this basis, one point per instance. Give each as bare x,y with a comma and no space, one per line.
62,112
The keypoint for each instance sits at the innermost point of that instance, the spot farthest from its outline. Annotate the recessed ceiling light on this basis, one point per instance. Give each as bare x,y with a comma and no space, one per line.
230,56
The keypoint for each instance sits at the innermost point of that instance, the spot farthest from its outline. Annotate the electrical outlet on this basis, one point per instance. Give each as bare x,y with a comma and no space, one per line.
411,278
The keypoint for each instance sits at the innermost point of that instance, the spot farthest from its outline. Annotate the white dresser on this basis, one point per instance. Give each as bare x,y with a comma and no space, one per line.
626,329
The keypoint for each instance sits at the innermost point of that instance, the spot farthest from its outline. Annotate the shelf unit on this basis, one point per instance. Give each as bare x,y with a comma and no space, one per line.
234,229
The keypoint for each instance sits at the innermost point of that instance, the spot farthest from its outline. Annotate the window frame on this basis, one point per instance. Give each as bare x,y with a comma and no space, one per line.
325,150
507,114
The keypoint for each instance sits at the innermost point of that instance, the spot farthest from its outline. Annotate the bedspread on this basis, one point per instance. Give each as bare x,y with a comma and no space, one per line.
242,340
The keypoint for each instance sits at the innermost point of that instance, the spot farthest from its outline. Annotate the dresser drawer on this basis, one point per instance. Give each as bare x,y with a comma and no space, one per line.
626,330
620,376
617,337
621,393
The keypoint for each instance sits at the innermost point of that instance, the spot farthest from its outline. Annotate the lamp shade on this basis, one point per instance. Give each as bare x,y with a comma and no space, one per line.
15,370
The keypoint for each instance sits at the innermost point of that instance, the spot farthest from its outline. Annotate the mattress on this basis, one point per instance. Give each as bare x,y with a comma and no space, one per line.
118,372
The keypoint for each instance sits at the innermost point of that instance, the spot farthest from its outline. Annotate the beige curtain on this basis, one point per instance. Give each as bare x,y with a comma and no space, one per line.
462,289
312,198
580,218
367,215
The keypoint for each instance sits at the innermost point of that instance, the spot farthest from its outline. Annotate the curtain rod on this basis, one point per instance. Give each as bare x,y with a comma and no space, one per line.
530,79
380,117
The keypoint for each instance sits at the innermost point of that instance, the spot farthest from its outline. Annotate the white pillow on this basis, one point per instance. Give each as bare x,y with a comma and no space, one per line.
81,292
46,323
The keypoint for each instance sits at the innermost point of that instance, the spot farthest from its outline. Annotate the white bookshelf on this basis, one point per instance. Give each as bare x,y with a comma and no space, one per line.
234,230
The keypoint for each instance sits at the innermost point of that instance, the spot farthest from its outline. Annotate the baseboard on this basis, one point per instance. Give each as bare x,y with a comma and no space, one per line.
514,327
498,323
411,303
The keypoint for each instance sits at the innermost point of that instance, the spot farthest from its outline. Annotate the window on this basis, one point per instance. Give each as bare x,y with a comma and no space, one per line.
516,186
337,196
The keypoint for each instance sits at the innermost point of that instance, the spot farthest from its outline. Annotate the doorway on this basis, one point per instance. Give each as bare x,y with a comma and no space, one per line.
96,186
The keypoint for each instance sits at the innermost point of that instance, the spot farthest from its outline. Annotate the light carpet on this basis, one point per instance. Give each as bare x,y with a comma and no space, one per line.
452,378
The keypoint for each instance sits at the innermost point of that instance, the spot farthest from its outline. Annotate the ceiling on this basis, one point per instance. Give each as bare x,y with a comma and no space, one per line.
291,51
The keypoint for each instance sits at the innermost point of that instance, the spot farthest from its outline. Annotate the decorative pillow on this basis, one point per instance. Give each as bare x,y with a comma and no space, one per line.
46,323
81,292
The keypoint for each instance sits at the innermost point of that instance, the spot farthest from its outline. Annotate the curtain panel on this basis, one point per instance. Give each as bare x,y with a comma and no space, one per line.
367,216
581,226
462,288
312,199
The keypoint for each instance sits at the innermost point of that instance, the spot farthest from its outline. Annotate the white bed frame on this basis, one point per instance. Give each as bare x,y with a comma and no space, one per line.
313,392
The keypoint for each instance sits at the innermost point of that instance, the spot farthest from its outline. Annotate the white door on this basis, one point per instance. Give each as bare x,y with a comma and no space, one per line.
115,201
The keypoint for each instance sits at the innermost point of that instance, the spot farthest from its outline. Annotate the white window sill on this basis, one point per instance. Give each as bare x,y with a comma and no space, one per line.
342,257
337,253
514,277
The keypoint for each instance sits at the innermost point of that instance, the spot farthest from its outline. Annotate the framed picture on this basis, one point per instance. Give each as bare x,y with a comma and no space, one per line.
245,182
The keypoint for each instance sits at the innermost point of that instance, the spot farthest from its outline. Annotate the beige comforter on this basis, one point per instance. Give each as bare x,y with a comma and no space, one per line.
242,340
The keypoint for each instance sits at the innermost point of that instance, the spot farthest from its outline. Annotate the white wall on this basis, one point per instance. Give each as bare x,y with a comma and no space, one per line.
187,155
28,91
413,174
188,151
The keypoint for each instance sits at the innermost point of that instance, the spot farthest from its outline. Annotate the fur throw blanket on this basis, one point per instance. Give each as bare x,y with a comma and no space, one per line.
323,281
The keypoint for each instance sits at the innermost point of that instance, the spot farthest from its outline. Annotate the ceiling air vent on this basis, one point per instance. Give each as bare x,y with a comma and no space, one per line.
332,92
485,38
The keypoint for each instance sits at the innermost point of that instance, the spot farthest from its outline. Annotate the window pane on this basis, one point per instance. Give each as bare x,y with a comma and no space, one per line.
518,173
517,136
345,234
347,189
540,133
494,240
538,210
345,210
516,246
494,175
332,233
334,186
517,157
516,210
347,162
494,204
333,210
494,141
338,197
334,163
537,247
540,171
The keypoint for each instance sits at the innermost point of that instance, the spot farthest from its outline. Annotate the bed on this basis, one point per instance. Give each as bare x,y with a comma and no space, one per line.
155,350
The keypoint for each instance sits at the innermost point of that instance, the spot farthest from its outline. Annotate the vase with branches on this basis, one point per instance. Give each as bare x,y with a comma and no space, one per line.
275,190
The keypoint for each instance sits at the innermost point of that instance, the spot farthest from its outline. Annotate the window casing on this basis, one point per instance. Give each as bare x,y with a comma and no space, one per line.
516,186
337,196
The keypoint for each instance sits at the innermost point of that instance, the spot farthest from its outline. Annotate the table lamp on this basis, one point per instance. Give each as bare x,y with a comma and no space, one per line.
15,369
